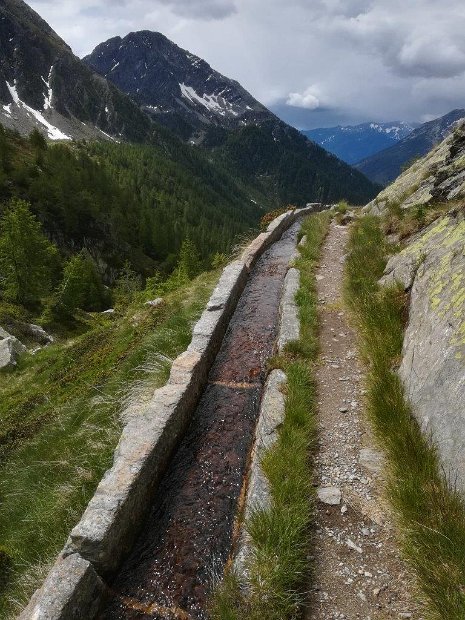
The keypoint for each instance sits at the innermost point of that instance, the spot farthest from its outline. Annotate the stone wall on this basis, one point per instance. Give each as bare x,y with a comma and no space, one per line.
97,544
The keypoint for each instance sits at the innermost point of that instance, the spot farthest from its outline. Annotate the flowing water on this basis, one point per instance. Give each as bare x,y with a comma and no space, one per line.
187,537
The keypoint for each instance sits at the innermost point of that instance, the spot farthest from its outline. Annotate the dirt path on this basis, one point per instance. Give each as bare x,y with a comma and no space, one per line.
359,573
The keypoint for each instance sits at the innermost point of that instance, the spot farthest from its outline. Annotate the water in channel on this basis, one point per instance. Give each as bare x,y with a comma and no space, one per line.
187,537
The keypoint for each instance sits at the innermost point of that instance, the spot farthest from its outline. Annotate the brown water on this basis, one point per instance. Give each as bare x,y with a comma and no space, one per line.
187,537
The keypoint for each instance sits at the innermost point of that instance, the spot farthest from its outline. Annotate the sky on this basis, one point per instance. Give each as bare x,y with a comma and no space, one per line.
316,63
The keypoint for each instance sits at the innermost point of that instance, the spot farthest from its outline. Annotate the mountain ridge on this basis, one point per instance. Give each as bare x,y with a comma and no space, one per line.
149,67
386,165
352,143
44,85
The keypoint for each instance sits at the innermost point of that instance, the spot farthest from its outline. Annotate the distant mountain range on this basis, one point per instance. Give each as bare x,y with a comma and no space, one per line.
386,165
352,143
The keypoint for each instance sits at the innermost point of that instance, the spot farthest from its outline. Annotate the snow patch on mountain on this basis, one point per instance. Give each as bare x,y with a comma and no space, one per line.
213,103
49,94
53,132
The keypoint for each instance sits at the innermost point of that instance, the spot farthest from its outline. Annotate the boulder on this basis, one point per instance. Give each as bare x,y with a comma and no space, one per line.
10,349
154,303
4,334
38,333
433,357
329,495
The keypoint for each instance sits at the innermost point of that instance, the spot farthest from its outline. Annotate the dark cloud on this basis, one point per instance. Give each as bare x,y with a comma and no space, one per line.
314,61
202,9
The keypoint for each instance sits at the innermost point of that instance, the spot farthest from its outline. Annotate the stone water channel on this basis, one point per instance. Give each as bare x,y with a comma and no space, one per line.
188,535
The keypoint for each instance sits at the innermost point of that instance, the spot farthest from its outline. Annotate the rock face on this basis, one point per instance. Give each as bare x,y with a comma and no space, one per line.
432,266
439,176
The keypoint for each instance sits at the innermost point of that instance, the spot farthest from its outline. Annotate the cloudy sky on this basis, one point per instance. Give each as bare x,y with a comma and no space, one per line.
314,62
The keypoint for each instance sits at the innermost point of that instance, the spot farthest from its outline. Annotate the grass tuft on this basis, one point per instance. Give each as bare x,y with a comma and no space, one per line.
60,420
279,569
430,511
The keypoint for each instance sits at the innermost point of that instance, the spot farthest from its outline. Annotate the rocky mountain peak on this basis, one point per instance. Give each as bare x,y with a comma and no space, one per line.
167,80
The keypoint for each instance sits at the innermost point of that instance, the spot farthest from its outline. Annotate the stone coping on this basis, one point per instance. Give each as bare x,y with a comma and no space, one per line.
271,417
105,534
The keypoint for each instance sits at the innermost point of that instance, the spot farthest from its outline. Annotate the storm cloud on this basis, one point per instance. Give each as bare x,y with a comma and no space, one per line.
203,9
314,62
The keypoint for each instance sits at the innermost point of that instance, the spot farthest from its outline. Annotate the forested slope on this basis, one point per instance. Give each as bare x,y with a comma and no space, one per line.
124,202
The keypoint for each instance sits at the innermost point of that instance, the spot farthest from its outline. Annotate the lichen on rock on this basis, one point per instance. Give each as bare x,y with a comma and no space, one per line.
432,266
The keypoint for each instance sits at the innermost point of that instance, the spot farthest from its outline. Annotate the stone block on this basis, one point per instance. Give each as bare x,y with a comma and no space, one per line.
114,515
255,249
72,591
289,328
271,416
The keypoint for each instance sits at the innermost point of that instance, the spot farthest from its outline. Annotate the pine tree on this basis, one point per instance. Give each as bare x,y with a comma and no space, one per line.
26,256
81,287
127,285
37,140
189,259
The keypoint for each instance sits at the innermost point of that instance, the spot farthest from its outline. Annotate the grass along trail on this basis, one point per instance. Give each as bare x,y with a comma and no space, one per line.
358,569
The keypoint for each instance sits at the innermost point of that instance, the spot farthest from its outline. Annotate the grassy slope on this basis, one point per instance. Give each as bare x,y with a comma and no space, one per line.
279,569
430,513
59,424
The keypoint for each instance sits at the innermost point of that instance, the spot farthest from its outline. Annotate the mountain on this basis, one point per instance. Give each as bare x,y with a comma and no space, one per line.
385,166
43,85
210,110
175,87
352,143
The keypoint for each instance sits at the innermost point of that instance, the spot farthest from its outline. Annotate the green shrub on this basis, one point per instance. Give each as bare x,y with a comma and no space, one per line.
27,258
342,207
81,287
189,259
127,285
